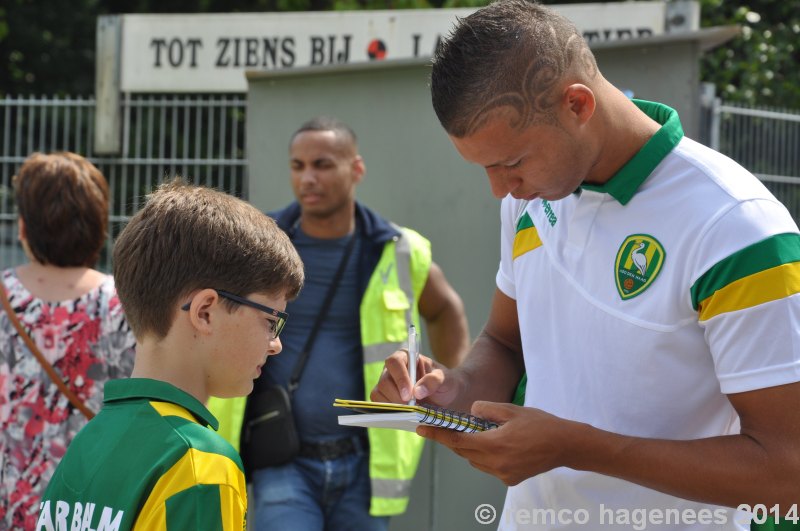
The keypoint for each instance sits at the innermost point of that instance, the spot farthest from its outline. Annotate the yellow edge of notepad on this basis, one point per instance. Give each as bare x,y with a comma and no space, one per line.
450,417
364,404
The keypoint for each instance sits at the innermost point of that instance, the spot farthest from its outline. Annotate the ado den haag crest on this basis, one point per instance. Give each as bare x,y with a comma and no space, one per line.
638,263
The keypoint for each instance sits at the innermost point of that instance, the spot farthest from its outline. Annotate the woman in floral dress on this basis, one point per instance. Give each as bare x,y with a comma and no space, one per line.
71,312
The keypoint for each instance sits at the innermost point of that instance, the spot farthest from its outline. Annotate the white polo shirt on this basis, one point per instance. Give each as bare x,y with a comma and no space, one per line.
641,304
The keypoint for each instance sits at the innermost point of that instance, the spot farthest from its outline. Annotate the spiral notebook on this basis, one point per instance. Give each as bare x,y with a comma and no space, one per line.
408,417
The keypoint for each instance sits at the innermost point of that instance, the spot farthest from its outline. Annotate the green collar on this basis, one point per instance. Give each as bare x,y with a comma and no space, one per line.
133,388
630,177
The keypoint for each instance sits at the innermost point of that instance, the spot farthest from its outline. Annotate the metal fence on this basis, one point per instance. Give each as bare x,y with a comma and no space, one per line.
202,138
198,137
766,142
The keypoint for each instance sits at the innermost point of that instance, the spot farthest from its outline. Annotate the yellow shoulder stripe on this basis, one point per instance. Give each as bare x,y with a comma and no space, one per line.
524,241
167,409
765,286
194,468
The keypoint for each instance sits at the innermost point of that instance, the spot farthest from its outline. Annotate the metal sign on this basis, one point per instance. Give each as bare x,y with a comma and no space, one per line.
210,52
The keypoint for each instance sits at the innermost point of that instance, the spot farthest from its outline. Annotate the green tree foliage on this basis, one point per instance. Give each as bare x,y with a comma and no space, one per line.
761,65
48,46
45,45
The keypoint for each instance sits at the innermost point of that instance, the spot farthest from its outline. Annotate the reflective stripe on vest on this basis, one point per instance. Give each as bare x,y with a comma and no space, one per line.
378,353
391,488
402,260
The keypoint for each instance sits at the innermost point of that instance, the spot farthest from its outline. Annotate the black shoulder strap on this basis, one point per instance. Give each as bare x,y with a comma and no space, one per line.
301,363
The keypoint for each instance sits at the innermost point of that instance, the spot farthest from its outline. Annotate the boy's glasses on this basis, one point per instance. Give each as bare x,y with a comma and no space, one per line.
276,325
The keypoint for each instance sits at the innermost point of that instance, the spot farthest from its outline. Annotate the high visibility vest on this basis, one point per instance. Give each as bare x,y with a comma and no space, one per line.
389,303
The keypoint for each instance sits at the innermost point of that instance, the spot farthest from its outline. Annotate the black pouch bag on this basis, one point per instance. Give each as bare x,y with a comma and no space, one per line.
269,438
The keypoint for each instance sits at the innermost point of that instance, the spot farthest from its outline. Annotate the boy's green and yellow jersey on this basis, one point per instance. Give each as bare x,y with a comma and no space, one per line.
147,461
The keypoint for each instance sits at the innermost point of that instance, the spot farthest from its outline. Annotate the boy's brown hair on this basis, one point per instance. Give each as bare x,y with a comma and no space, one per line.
63,200
190,237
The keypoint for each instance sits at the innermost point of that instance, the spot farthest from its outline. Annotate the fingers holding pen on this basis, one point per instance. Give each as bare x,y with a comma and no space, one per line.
395,383
393,380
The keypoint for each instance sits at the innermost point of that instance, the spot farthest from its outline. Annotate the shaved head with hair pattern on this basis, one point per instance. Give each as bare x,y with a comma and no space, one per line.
512,54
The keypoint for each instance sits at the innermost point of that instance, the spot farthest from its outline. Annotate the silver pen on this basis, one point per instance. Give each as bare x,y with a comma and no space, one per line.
412,360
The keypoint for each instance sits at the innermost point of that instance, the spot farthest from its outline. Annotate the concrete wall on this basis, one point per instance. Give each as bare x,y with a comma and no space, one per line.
665,73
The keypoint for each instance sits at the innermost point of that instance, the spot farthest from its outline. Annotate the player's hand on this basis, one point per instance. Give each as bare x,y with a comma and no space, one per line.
436,384
528,441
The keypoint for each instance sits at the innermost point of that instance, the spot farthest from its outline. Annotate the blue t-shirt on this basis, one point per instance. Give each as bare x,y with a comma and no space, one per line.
335,366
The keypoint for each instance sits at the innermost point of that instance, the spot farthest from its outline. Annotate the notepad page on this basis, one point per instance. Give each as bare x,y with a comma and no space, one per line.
417,413
394,421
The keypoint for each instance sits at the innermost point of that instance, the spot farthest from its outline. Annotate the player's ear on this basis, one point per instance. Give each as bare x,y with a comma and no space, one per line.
580,102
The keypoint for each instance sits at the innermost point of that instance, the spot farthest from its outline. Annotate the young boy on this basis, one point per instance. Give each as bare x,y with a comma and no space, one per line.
203,278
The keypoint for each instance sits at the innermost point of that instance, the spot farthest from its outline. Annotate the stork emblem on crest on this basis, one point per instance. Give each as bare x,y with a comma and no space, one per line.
638,263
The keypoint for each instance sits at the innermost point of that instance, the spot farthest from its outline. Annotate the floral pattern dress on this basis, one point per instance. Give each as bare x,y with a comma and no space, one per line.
88,342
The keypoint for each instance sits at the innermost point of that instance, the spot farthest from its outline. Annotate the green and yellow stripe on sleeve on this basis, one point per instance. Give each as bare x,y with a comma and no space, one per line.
205,487
763,272
526,238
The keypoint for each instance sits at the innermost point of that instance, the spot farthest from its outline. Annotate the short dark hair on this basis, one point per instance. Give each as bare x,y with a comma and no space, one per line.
328,123
511,53
63,200
190,237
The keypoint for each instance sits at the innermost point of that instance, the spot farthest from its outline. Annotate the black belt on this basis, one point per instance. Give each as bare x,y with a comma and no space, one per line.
333,449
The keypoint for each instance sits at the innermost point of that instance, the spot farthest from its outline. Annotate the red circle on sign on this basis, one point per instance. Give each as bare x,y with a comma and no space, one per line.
376,49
